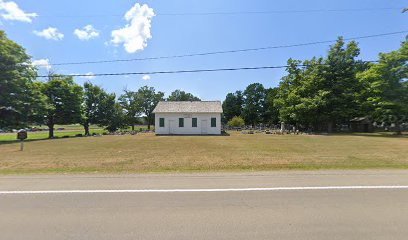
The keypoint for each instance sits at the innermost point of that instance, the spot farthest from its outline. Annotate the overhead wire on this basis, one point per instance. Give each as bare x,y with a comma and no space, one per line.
224,51
181,71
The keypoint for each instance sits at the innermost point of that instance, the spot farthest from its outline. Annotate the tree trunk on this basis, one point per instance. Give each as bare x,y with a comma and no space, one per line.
149,120
86,128
133,127
50,125
398,130
330,127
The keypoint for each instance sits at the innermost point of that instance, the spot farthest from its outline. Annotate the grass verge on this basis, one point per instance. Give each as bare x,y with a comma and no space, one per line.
238,152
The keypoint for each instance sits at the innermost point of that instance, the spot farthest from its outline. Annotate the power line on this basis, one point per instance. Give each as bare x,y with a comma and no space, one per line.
182,71
277,11
233,12
225,51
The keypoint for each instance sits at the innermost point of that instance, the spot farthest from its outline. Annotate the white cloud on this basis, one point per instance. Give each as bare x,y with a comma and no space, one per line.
89,75
86,33
11,11
135,34
146,77
42,63
50,33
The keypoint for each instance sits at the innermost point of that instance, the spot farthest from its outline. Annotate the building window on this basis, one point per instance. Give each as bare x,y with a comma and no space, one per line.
213,122
194,123
181,122
161,123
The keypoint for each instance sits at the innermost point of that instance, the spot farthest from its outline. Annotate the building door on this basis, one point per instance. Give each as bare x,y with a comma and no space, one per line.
172,127
204,126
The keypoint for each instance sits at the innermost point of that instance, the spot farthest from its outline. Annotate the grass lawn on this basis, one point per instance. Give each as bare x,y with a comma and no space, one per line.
149,153
69,130
12,137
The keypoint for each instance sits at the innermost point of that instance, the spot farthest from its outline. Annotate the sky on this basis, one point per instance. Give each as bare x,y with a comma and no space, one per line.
55,32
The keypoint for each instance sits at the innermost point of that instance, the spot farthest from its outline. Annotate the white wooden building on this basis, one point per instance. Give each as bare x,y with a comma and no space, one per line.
188,118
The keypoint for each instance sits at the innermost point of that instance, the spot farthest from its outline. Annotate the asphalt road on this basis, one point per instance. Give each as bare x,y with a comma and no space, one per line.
292,213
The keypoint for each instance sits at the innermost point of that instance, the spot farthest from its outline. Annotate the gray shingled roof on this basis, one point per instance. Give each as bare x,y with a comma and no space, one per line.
189,107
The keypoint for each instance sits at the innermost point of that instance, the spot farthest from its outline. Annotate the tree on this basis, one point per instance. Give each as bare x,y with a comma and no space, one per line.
340,82
232,105
20,100
115,118
149,99
385,87
299,98
271,115
64,100
179,95
323,91
254,102
287,97
94,107
132,107
236,122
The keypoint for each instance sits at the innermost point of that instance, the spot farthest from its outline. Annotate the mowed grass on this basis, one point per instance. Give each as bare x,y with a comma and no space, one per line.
12,137
150,153
69,130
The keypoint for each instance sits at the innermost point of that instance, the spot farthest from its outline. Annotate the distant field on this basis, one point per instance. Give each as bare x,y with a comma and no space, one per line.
7,137
69,130
238,152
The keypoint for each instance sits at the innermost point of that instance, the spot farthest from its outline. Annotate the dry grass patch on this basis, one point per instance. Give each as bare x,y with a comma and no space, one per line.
150,153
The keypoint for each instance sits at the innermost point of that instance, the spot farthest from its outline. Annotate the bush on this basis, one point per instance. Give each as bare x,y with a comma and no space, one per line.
236,122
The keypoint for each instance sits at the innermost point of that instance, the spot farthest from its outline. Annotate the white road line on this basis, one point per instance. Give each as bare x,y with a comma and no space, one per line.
202,190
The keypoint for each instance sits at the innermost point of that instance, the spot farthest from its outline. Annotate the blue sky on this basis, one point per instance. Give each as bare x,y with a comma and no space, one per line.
184,34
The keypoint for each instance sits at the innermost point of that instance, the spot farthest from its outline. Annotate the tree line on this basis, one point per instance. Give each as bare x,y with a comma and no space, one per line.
26,101
317,94
324,92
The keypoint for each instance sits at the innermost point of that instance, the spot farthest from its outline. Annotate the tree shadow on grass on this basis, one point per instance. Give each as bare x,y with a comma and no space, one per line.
35,140
375,134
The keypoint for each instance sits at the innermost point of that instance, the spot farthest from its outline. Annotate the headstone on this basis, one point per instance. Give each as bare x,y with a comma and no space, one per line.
282,129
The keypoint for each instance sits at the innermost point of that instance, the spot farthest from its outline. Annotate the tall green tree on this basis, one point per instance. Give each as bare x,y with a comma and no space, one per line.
114,117
385,87
299,98
95,110
232,105
322,92
178,95
254,103
271,114
64,101
131,104
340,82
20,100
149,99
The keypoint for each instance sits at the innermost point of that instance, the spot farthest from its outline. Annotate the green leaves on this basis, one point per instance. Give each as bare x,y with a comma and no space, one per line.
236,122
131,103
64,100
386,86
232,105
19,99
179,95
323,91
254,101
150,100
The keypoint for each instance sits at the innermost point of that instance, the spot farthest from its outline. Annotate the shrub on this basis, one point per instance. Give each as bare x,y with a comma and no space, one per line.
236,122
